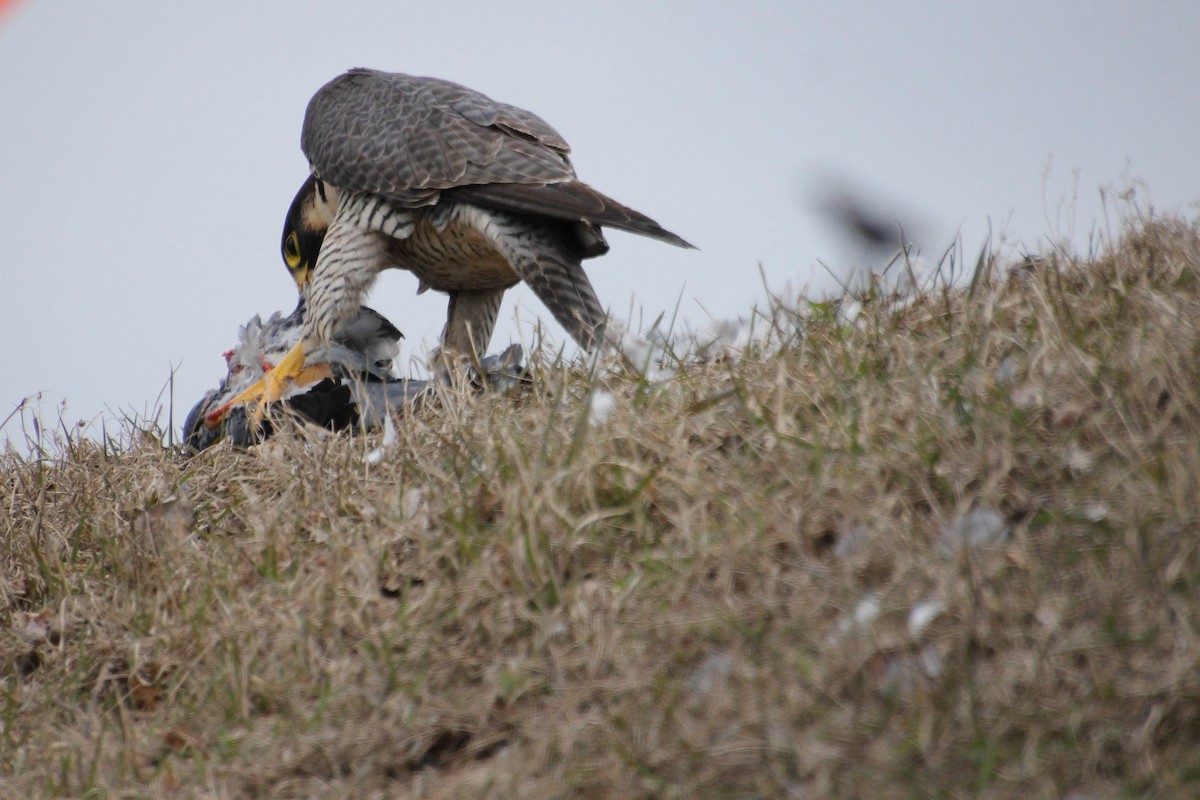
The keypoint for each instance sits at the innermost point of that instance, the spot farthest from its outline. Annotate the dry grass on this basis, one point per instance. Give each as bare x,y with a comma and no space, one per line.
708,593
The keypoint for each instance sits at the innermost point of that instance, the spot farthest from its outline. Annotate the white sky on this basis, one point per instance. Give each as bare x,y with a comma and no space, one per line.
149,150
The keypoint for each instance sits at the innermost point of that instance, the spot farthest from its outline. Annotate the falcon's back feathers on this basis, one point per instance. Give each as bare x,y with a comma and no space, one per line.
408,139
405,138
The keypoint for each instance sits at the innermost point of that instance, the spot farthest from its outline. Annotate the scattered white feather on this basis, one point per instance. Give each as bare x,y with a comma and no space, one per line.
601,406
930,662
644,355
980,527
718,338
389,441
1006,371
1080,461
921,615
414,498
866,612
711,674
849,309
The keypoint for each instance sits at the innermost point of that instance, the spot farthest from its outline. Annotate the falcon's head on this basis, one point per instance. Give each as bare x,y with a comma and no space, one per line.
305,225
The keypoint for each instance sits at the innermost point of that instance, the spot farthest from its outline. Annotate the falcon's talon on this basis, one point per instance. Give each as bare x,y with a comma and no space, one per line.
270,387
281,375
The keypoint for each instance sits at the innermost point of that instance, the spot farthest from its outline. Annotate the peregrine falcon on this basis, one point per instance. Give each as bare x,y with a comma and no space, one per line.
469,194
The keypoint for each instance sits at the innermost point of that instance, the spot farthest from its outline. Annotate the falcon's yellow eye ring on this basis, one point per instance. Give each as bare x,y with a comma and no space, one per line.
291,251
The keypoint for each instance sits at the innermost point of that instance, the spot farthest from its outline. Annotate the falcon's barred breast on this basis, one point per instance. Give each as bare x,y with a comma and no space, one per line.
469,194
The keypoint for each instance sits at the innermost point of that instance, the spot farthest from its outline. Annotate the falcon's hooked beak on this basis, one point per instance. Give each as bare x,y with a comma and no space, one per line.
308,218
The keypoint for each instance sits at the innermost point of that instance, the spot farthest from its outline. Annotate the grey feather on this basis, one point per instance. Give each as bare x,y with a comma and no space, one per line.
405,138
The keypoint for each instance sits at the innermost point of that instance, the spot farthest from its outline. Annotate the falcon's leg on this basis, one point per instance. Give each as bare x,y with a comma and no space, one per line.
354,252
558,279
470,320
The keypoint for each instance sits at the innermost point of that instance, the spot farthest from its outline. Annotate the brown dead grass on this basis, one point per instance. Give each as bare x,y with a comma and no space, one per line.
706,594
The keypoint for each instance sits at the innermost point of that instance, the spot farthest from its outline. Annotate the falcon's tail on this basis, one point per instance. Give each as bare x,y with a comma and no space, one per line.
572,201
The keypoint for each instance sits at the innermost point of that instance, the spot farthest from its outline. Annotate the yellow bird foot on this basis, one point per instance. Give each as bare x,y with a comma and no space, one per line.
270,388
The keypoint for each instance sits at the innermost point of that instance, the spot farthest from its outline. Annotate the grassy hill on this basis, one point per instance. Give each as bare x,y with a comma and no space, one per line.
949,550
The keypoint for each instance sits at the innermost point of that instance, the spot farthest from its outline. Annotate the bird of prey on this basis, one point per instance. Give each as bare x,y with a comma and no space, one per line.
469,194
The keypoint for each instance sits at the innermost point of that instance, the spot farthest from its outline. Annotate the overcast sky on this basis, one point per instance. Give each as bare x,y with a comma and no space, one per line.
149,150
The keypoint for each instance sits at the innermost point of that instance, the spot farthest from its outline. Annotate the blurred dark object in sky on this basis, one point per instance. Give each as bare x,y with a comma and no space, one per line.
863,222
